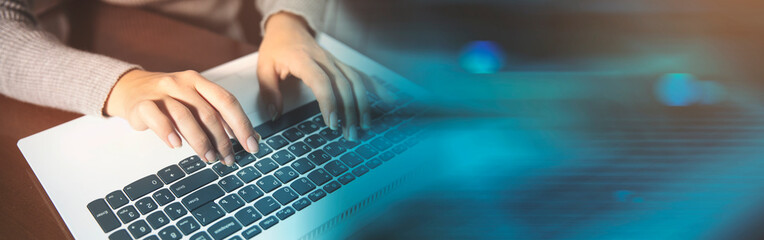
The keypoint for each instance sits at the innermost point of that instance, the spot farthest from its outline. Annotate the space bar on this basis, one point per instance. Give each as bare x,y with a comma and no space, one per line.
288,119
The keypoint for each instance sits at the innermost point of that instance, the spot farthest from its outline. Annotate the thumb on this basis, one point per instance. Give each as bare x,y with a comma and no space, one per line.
269,89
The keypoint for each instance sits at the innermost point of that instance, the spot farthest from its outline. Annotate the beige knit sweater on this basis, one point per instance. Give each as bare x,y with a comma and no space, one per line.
35,67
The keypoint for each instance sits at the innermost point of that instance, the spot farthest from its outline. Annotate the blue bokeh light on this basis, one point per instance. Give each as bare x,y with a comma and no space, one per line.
482,57
677,89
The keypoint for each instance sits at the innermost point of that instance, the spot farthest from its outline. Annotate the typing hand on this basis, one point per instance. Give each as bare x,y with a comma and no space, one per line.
185,103
289,49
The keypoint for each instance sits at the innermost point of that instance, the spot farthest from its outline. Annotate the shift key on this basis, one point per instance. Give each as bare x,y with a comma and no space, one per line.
191,183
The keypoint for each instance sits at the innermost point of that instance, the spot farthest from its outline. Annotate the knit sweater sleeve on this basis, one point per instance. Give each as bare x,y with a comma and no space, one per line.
35,67
311,10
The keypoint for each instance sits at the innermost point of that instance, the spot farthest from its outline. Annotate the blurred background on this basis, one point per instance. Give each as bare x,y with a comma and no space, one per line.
577,119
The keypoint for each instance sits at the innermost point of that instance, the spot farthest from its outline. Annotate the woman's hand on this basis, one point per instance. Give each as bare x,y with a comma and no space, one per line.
289,49
185,103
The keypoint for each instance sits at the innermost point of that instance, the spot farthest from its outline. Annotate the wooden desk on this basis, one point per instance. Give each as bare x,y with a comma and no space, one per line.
155,42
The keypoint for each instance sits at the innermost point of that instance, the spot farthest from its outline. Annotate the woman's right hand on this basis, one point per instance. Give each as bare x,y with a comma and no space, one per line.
185,103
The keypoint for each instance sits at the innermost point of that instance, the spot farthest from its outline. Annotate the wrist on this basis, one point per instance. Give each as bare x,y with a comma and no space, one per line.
285,22
115,99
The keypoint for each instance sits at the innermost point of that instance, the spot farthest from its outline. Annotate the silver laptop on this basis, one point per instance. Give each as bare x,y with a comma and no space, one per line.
108,181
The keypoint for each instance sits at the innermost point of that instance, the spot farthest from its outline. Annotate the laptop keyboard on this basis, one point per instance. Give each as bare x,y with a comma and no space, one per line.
300,162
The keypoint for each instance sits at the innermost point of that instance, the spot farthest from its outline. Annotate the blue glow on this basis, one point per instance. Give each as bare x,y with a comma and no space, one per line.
677,89
482,57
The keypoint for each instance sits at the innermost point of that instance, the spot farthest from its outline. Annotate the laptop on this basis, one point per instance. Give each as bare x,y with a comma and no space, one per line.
307,182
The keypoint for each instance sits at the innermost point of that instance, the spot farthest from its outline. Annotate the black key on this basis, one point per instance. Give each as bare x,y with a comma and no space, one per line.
264,149
152,237
145,205
303,186
399,149
299,149
378,126
386,156
318,157
301,204
188,225
284,213
236,145
103,215
285,195
208,213
120,235
268,183
139,229
170,174
230,183
170,233
293,134
364,135
288,119
249,233
250,193
248,174
302,165
163,196
266,165
332,186
319,176
319,120
366,151
201,236
282,157
347,178
268,222
308,127
244,158
315,140
317,195
191,164
374,163
334,149
285,174
351,159
329,134
276,142
231,202
127,214
247,216
224,228
175,210
222,169
360,171
191,183
116,199
142,187
267,205
202,197
336,168
347,143
157,219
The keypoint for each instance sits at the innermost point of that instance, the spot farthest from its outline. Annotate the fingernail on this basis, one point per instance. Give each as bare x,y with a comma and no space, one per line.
366,121
210,156
229,160
352,134
252,144
272,111
333,120
174,140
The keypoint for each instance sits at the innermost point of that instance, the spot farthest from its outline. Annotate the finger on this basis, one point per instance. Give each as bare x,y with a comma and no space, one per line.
347,101
189,128
158,122
269,88
316,78
228,107
359,91
373,85
210,121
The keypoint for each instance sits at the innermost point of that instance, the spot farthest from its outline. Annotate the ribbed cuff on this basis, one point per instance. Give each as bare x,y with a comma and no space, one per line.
311,10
